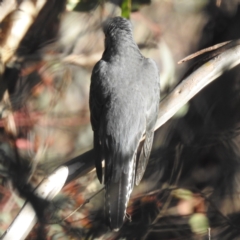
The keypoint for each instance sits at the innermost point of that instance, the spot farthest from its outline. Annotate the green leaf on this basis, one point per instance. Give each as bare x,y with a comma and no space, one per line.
182,194
199,223
126,8
71,4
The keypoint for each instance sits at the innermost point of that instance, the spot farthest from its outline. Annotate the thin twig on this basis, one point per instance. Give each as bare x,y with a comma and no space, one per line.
205,50
82,205
196,81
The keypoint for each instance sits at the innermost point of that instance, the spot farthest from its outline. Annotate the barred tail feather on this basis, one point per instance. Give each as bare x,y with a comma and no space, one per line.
98,157
117,197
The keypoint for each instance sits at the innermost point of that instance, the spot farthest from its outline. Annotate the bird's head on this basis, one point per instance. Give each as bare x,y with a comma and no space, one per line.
113,27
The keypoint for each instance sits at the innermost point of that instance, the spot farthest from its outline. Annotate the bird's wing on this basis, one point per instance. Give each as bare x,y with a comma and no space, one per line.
153,99
96,103
144,156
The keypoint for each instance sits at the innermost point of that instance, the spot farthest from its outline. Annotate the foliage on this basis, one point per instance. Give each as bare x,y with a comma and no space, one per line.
126,8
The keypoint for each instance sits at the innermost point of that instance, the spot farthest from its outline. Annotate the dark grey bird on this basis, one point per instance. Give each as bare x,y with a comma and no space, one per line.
124,102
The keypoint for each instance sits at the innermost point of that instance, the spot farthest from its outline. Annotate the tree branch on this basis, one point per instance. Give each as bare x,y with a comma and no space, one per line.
197,80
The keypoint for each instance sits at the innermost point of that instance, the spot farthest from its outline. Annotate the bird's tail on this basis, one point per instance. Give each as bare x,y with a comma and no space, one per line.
117,196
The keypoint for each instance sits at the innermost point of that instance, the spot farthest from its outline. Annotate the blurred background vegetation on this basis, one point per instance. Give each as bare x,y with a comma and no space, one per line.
191,186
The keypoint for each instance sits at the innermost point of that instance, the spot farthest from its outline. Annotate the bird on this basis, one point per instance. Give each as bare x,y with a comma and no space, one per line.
124,102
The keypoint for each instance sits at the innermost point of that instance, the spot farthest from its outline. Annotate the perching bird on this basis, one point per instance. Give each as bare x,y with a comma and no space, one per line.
124,101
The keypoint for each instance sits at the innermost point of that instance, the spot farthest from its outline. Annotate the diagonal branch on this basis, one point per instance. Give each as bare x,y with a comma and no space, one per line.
26,219
197,80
